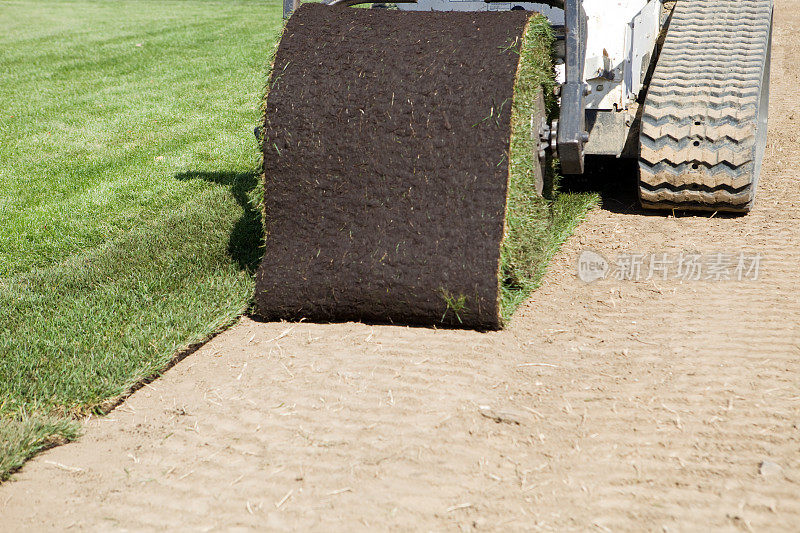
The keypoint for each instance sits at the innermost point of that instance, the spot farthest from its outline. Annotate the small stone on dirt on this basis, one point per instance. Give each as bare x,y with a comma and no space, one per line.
768,468
505,417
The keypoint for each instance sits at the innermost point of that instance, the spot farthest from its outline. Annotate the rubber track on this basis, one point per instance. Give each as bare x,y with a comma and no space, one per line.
700,121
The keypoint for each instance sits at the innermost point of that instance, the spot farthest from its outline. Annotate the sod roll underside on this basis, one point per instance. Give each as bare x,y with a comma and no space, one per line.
386,166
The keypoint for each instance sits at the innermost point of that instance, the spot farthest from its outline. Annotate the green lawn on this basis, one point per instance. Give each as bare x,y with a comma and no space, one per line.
128,179
127,172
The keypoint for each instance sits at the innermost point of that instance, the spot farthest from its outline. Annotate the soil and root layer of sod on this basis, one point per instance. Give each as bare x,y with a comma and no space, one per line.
398,162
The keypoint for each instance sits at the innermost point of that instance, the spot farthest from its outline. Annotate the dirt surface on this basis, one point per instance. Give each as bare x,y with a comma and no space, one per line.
378,204
661,405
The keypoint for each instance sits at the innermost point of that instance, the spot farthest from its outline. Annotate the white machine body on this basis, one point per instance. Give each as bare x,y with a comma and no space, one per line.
621,37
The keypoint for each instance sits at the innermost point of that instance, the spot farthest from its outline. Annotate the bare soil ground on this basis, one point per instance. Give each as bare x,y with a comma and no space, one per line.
661,405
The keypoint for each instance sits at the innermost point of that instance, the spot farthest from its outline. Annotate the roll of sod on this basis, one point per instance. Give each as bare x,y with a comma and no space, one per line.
392,142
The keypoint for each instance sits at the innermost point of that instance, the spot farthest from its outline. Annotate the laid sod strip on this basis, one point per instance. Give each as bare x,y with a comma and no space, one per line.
128,196
528,215
23,437
386,165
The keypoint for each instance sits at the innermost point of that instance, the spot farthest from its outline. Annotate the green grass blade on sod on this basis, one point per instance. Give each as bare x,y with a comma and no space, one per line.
535,226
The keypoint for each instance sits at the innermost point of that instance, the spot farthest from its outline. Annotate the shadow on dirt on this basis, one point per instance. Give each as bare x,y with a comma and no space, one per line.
616,181
247,237
432,326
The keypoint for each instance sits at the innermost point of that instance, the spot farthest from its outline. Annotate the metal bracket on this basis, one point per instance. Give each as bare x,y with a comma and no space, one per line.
568,134
572,135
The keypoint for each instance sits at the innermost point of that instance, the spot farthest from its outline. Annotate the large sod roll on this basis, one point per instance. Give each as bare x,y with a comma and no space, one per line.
390,148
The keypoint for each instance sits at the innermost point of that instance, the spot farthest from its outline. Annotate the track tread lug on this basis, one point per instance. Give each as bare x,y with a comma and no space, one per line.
699,135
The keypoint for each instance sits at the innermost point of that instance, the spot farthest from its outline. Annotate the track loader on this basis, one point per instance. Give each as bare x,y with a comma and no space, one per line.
404,148
682,85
